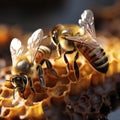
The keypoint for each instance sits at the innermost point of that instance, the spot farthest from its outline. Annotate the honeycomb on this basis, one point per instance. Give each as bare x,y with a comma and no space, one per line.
92,97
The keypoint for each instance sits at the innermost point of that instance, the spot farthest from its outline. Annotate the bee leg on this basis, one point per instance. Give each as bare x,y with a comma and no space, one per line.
67,62
14,92
41,74
76,68
59,50
31,85
49,66
56,42
58,47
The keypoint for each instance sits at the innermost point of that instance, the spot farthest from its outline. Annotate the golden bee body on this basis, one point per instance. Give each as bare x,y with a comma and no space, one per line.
60,31
80,38
95,55
28,64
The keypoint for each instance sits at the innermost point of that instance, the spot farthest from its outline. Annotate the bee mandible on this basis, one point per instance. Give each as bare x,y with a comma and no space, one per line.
81,38
27,63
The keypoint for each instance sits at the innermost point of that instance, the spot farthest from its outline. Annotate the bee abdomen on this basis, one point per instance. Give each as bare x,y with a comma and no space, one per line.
99,60
43,52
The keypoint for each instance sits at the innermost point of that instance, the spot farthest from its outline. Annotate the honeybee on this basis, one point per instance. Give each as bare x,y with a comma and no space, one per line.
80,38
27,63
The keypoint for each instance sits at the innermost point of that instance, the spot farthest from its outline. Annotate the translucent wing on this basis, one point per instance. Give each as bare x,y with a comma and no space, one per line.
83,41
34,42
87,21
16,49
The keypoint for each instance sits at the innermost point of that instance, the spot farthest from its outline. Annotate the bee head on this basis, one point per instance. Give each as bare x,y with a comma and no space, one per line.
56,32
19,82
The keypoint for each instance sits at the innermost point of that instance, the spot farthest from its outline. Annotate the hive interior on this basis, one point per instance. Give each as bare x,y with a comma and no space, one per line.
64,97
92,97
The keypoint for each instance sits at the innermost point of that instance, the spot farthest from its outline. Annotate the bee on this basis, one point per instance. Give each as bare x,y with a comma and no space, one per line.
81,38
27,63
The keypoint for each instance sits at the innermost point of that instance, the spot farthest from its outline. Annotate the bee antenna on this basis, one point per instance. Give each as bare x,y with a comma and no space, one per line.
44,37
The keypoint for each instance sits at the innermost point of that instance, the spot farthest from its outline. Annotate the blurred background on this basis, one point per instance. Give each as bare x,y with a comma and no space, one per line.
22,17
32,14
18,18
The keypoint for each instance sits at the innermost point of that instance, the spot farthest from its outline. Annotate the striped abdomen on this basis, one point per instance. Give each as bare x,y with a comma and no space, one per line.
43,53
96,57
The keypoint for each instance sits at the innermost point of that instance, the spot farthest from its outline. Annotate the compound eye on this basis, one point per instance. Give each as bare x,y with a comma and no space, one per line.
18,78
15,78
55,36
24,78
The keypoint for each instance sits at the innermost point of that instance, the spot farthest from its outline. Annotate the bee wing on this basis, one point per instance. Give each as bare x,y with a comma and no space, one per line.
82,40
16,49
87,21
34,42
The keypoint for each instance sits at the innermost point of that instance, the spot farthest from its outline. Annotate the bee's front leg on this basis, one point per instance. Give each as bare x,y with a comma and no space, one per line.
58,51
31,84
14,92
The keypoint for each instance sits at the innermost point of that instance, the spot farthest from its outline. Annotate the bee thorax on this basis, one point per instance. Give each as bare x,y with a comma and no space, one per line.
23,66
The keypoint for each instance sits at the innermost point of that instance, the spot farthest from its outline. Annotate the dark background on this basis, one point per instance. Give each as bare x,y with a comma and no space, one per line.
32,14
